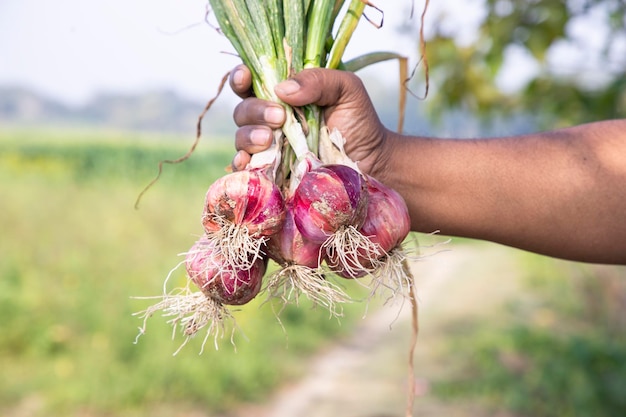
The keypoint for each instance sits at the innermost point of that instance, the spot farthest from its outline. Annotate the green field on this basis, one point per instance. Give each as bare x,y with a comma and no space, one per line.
555,349
74,251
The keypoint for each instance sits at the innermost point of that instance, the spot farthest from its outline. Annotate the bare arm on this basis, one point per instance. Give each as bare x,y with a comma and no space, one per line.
560,193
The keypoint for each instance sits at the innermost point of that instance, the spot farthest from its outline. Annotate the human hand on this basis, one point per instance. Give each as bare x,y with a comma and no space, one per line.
345,103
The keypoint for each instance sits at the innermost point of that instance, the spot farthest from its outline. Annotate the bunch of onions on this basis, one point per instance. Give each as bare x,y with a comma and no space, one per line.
295,203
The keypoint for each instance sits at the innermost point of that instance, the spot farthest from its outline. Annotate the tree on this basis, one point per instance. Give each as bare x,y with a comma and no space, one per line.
576,47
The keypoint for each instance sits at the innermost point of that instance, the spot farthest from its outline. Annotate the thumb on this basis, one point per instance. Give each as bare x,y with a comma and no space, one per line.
319,86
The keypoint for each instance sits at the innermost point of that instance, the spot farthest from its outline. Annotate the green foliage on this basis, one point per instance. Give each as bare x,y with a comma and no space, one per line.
465,73
541,373
564,353
131,157
75,252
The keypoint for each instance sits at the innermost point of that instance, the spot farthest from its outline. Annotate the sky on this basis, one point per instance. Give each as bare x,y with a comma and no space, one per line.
71,50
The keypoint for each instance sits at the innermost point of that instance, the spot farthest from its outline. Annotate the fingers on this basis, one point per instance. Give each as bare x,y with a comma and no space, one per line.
319,86
253,139
254,111
250,140
312,86
256,118
240,161
241,81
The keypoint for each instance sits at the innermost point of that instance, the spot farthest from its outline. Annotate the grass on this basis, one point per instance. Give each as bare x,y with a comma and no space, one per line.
74,252
559,350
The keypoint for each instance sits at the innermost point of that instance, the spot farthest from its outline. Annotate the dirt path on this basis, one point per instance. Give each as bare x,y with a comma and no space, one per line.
366,374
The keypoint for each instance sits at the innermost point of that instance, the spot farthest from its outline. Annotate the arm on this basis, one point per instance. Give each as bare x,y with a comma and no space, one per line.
559,193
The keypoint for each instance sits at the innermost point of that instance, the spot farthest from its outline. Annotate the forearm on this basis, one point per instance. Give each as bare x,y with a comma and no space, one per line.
560,193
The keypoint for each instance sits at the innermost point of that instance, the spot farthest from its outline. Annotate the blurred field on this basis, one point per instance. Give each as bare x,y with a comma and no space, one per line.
518,335
555,348
74,251
502,333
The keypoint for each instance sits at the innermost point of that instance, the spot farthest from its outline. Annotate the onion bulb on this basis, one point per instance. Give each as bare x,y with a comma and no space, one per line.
241,211
300,272
194,310
207,269
386,225
387,222
330,205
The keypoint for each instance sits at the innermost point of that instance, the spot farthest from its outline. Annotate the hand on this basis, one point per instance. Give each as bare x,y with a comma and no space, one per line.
346,104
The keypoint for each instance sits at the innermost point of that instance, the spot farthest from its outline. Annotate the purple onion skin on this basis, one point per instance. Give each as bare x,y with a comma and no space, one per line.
248,198
288,246
233,287
387,222
328,198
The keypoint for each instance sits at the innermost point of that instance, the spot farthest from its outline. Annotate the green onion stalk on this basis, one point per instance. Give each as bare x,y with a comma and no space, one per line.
276,39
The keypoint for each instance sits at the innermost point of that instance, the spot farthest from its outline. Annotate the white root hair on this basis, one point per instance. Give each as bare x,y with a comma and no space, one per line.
347,248
190,310
292,281
391,276
238,247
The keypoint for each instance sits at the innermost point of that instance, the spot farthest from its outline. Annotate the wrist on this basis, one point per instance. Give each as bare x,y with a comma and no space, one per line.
407,164
382,160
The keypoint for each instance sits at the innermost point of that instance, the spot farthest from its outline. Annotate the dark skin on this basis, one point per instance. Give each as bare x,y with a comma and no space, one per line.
560,193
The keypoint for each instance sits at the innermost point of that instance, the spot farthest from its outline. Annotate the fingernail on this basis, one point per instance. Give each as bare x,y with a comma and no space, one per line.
287,87
259,137
238,77
274,115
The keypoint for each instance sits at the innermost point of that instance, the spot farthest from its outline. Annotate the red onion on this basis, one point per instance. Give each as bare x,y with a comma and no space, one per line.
248,198
220,286
327,199
207,269
288,246
300,272
387,222
386,225
241,211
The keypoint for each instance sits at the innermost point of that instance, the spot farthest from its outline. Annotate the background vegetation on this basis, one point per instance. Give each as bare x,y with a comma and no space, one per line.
572,52
74,251
556,350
